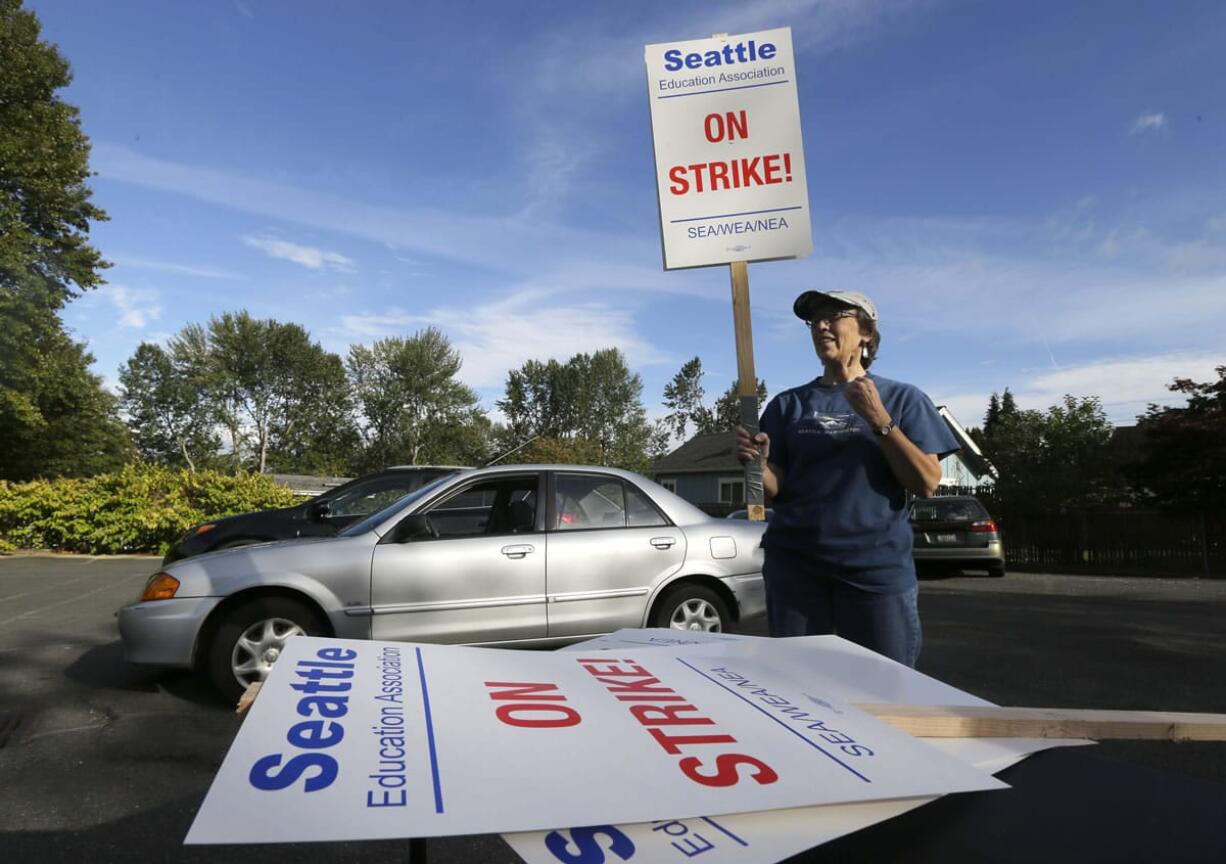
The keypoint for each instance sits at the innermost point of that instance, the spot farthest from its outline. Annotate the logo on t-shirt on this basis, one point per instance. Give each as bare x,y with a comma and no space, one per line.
835,425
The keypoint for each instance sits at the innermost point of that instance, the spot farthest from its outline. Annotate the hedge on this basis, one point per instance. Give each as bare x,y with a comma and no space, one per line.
141,508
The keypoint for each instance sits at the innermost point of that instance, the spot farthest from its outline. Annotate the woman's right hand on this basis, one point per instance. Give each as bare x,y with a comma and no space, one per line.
748,449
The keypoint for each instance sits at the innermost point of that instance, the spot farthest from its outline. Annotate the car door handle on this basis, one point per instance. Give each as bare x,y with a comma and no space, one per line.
663,542
518,551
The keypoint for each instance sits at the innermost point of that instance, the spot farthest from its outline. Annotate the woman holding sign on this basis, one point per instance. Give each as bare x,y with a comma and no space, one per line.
840,455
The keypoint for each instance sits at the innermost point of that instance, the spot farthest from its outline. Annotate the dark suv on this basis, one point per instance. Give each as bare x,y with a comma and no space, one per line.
957,531
322,516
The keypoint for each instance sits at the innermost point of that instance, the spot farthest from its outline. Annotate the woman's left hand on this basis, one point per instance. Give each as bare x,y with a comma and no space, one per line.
864,398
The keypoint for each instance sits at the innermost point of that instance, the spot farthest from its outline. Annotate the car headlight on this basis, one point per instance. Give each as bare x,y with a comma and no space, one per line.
161,586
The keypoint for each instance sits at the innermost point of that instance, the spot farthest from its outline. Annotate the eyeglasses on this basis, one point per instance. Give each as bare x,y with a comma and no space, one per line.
831,315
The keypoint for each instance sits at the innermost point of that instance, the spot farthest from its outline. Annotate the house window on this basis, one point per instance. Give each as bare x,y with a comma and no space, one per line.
670,485
732,490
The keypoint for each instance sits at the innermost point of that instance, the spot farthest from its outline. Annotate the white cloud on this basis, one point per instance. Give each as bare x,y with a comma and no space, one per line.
1125,386
491,338
307,256
137,307
1149,123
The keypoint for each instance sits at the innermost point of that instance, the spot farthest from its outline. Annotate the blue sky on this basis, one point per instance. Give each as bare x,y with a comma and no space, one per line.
1034,194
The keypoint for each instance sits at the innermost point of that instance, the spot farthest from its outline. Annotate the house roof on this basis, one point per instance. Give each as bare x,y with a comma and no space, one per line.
700,455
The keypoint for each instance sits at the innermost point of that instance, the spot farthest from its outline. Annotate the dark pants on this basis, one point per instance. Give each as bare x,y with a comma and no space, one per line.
801,600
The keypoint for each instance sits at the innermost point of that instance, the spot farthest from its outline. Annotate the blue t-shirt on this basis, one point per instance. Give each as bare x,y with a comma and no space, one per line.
839,503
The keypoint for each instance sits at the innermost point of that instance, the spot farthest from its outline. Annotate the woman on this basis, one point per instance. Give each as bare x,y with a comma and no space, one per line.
839,456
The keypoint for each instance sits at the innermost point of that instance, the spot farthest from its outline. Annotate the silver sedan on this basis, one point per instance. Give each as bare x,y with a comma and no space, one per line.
528,555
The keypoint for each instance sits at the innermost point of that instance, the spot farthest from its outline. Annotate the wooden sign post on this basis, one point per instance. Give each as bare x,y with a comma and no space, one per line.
747,385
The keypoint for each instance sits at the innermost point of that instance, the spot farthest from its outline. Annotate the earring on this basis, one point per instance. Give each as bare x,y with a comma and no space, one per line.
863,352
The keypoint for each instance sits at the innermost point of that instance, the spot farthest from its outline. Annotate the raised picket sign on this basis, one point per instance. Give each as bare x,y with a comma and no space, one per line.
730,165
362,739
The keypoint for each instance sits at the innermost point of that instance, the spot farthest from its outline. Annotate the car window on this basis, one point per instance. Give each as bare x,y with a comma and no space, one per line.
951,510
373,495
588,501
640,512
391,510
501,505
585,501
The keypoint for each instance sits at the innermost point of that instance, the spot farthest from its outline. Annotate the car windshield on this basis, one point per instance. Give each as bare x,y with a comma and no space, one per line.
396,507
947,510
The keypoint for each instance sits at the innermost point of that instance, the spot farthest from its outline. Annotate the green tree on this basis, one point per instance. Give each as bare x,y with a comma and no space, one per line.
268,382
415,410
68,425
726,413
683,397
55,418
591,401
45,207
1183,450
162,401
1054,460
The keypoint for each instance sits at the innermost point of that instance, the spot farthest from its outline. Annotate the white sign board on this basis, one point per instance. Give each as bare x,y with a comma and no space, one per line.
357,739
730,164
760,838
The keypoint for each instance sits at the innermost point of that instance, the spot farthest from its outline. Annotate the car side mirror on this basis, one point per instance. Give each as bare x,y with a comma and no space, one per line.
415,526
317,511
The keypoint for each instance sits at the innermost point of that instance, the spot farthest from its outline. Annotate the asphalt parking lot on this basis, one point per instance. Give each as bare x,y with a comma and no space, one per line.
102,761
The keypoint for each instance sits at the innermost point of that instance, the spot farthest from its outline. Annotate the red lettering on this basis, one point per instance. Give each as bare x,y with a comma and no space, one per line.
696,170
553,716
525,691
770,168
673,743
749,169
612,671
680,184
666,715
719,174
726,773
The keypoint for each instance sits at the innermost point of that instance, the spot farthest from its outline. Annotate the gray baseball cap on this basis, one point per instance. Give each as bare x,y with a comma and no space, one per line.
809,301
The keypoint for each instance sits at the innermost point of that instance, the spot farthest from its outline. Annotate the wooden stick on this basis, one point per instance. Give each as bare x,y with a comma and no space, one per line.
976,721
244,701
747,384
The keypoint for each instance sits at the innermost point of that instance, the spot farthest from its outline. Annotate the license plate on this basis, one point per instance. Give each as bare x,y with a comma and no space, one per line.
946,538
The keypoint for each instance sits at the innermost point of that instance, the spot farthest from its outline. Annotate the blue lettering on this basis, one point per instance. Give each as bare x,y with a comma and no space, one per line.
588,851
262,778
309,734
729,55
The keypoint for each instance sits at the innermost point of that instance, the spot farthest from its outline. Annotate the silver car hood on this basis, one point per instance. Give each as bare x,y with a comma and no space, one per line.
283,562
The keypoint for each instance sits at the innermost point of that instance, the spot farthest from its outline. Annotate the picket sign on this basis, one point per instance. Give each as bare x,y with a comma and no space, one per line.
730,175
353,739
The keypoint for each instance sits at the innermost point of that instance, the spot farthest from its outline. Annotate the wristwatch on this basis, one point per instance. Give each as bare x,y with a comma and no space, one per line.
886,429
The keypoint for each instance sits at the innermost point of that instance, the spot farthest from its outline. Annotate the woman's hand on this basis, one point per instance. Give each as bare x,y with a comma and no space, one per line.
748,449
866,401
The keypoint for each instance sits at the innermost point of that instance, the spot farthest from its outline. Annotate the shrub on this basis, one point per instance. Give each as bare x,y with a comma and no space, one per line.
141,508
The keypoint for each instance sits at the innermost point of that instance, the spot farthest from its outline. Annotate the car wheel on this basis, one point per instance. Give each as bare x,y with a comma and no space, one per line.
996,572
692,607
250,639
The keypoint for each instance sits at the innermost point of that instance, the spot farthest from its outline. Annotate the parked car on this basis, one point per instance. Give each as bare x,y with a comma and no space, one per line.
958,531
322,516
529,555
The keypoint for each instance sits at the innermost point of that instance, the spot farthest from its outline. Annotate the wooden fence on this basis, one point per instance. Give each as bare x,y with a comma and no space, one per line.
1140,542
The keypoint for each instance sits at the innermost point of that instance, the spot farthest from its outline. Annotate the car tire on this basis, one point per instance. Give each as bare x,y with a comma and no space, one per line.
996,572
691,606
251,637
